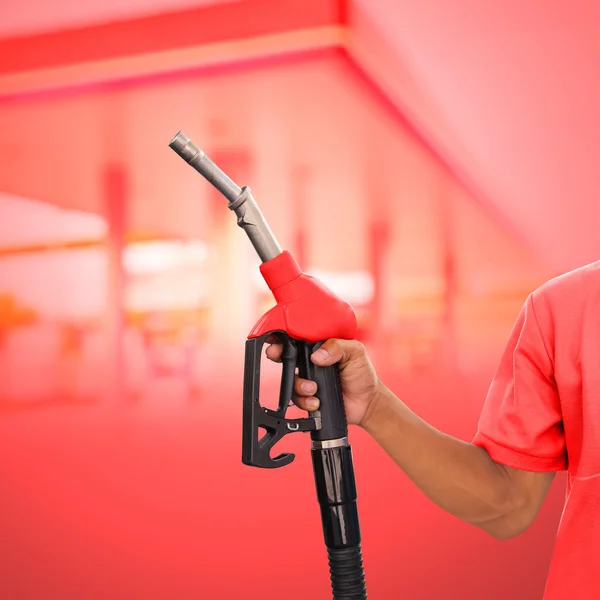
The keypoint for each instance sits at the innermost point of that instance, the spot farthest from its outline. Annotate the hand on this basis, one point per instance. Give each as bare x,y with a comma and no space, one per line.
360,384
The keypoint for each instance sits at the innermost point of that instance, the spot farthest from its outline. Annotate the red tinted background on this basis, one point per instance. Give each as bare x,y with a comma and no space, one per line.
127,290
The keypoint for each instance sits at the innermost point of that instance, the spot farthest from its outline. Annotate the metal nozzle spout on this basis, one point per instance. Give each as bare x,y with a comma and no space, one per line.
183,146
241,201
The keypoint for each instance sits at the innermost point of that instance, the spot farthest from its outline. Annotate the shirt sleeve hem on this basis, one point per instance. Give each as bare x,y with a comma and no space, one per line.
519,460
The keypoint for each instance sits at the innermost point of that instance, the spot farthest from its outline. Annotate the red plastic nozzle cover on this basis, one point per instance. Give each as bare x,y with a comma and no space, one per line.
306,309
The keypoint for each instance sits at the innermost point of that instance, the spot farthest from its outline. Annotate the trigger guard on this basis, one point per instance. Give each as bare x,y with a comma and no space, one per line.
283,459
255,453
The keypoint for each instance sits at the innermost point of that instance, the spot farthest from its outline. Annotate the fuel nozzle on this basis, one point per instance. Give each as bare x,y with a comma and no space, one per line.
241,201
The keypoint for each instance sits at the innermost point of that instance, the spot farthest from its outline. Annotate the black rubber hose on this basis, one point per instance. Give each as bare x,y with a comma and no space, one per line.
347,573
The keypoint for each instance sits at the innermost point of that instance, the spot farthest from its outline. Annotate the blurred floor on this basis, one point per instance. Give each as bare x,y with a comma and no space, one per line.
149,499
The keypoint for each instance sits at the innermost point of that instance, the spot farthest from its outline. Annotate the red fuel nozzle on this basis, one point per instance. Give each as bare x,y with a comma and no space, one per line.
306,309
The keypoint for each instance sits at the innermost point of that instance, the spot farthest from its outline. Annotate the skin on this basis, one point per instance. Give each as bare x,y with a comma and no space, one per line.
457,476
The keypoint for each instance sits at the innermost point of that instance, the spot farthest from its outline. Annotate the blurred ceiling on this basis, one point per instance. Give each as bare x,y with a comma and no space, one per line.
506,91
40,16
516,87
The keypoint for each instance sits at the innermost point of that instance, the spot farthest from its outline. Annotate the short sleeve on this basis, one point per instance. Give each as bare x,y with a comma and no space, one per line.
521,422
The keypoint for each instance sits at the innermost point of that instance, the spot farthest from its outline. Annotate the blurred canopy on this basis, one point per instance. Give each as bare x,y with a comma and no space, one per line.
505,91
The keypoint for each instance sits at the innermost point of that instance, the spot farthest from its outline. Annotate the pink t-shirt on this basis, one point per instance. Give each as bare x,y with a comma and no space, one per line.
543,414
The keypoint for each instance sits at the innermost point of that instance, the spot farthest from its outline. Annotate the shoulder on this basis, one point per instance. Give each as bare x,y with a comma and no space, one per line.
576,285
565,303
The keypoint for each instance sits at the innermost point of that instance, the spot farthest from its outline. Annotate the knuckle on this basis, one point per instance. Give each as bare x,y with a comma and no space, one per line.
359,347
336,348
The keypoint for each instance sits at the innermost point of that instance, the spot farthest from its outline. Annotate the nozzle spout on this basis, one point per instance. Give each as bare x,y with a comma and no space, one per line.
241,201
183,146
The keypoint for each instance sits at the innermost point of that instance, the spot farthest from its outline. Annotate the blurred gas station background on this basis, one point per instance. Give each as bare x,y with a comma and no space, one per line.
432,163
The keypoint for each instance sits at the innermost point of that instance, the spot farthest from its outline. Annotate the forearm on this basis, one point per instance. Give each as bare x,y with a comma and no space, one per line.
459,477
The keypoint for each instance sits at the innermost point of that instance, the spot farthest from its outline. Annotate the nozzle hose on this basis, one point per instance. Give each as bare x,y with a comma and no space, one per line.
347,573
183,146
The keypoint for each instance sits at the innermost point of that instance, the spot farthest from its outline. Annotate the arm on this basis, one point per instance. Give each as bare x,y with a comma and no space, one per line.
520,426
458,476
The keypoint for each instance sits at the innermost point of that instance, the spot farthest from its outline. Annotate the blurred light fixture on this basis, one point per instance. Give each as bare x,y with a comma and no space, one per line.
26,221
355,287
167,292
146,258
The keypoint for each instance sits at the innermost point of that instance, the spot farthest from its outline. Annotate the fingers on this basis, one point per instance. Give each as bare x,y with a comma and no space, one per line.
332,351
309,404
304,387
274,351
336,350
304,391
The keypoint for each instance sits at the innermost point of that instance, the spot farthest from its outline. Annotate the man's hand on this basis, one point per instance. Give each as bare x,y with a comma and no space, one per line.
360,384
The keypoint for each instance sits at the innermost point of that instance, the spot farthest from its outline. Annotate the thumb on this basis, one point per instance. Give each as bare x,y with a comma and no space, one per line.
335,350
